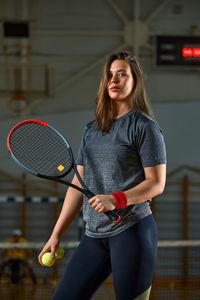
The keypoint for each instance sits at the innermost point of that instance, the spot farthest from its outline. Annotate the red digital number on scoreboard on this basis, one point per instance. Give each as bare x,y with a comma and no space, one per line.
191,52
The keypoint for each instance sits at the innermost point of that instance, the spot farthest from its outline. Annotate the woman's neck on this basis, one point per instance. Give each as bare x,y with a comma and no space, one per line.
120,110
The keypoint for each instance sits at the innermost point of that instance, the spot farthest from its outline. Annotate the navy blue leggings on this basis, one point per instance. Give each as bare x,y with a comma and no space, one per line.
130,257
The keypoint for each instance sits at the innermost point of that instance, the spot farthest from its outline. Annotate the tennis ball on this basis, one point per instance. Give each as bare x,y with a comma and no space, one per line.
59,253
54,284
171,285
47,260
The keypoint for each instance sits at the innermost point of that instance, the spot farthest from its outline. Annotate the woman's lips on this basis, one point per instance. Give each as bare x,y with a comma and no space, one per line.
114,89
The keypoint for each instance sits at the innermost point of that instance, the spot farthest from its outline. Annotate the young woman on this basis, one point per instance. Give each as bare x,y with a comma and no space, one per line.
122,160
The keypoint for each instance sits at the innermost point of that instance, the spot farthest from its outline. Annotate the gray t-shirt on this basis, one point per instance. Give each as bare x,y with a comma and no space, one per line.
114,162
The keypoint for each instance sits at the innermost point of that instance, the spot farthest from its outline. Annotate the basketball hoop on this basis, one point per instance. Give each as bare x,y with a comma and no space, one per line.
18,103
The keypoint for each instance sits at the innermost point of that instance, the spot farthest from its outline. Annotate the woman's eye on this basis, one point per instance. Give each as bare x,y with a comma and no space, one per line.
122,74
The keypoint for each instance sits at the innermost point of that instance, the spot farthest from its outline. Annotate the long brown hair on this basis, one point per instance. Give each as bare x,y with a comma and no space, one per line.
103,113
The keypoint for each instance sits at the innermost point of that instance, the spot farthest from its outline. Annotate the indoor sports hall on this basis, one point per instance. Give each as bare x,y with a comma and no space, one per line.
51,60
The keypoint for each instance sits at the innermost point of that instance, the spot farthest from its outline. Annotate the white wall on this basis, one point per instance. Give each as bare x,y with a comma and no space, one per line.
181,125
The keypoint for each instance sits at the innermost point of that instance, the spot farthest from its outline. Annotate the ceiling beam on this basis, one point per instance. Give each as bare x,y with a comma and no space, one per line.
78,32
117,11
157,10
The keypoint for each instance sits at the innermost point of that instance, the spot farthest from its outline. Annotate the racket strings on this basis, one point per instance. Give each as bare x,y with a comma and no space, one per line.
40,149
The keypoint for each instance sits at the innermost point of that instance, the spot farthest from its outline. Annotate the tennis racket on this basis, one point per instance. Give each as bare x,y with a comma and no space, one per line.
44,152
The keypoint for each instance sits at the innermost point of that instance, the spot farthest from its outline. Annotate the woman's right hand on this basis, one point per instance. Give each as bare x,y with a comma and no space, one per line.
50,246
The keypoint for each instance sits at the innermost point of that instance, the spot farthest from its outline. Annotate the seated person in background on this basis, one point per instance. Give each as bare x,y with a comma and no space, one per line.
17,258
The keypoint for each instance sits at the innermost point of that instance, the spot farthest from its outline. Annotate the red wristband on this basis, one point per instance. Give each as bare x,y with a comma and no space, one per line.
121,199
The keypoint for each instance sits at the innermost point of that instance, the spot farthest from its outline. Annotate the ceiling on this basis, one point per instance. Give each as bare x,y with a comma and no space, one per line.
59,64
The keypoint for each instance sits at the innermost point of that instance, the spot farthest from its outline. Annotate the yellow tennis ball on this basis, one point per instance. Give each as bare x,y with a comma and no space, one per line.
171,285
47,260
59,253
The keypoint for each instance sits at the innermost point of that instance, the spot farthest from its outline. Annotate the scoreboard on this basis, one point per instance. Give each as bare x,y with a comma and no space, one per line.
178,50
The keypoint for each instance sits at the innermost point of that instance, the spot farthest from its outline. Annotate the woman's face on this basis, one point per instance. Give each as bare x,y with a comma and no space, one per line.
120,81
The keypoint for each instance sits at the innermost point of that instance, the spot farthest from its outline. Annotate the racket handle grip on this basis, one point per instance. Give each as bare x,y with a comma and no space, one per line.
113,216
110,214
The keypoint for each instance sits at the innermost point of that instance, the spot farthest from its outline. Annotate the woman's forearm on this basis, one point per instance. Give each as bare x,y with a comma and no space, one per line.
152,186
143,192
71,206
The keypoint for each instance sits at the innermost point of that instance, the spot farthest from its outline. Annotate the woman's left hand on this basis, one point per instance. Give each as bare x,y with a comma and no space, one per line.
103,203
